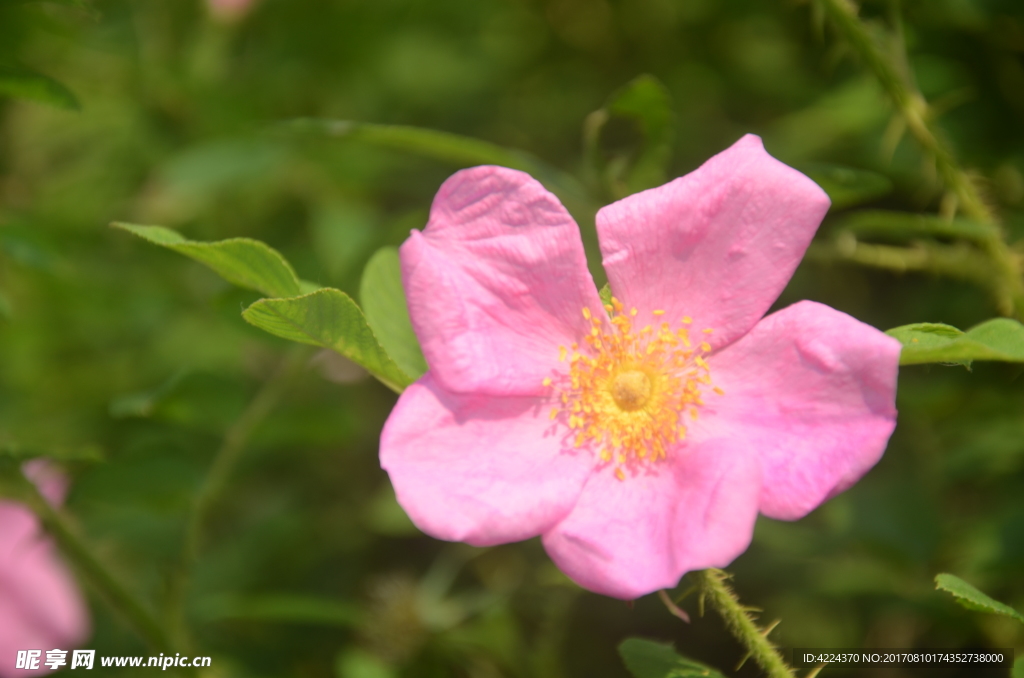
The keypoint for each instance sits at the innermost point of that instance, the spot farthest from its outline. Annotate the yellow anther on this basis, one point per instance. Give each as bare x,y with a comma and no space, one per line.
561,354
619,474
707,330
554,413
687,319
547,381
718,391
705,346
627,391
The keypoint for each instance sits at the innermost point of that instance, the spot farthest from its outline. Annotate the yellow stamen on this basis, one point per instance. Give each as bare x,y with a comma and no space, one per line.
547,381
627,392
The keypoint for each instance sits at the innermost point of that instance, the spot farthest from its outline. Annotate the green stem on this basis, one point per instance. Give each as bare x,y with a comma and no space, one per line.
95,572
224,463
740,622
954,261
914,109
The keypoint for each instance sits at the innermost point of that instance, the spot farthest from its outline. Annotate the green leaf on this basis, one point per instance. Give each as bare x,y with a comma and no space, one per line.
19,452
907,226
142,403
647,103
649,659
283,608
972,598
454,148
1018,668
997,339
22,83
242,261
329,318
354,662
387,313
847,187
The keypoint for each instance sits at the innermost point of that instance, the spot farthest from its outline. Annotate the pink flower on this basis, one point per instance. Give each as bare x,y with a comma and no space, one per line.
640,440
40,605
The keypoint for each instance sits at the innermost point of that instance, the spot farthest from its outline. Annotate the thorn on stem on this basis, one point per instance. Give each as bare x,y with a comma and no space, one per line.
743,661
672,607
815,671
771,627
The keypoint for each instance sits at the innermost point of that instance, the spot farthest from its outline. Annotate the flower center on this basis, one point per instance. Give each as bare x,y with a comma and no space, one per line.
631,389
626,392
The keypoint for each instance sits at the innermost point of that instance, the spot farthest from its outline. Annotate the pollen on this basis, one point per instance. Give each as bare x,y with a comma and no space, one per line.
629,393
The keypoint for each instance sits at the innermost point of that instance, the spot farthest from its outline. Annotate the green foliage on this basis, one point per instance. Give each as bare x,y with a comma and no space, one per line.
649,659
645,102
22,83
387,313
446,147
282,608
329,318
998,339
971,598
17,452
242,261
848,187
908,226
1018,668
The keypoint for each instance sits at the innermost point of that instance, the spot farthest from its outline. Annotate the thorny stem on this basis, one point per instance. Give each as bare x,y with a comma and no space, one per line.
738,619
915,111
109,586
224,463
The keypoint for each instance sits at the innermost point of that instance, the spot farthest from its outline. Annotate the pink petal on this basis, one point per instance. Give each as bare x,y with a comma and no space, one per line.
813,391
480,469
40,606
631,537
718,244
496,282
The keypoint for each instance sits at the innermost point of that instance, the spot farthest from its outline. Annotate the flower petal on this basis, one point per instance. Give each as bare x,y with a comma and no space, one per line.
480,469
40,606
496,282
718,244
631,537
813,391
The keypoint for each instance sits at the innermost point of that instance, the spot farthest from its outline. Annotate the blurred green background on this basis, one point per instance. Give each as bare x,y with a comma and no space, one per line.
163,112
